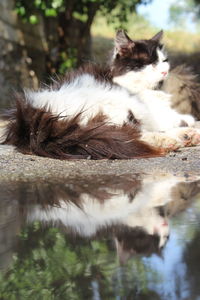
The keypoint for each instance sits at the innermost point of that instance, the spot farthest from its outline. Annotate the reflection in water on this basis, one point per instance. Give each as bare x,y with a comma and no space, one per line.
70,232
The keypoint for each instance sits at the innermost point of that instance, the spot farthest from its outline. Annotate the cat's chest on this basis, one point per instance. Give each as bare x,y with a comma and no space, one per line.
155,100
160,114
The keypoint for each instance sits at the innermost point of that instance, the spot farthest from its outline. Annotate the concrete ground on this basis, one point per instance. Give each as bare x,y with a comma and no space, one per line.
16,166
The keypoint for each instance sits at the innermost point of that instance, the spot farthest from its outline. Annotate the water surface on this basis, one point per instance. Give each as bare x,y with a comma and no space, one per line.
126,237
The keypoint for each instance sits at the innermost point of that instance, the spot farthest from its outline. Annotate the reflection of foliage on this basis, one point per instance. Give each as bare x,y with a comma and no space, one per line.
131,279
51,266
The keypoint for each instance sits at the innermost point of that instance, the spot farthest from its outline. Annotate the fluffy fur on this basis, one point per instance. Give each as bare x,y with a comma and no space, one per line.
118,208
112,112
38,131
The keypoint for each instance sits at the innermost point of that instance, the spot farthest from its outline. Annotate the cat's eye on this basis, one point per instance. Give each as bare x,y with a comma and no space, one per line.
166,60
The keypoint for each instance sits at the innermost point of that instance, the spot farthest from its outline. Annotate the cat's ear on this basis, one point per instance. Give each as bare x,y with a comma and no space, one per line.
123,44
158,36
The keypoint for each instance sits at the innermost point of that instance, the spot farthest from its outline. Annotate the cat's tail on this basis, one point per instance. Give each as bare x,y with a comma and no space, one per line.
37,131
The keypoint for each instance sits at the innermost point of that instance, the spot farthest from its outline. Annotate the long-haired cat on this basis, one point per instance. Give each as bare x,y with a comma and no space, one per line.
111,112
130,209
135,211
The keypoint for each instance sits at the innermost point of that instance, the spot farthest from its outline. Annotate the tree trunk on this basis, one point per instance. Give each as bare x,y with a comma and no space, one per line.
77,33
74,37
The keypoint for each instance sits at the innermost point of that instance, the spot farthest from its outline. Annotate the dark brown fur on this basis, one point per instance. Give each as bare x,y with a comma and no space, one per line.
38,131
102,74
133,55
137,241
49,193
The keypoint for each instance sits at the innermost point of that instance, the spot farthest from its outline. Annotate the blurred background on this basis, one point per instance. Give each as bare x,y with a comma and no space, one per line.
41,38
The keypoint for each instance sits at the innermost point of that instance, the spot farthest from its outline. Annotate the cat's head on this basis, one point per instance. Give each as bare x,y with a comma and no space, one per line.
139,64
136,241
145,234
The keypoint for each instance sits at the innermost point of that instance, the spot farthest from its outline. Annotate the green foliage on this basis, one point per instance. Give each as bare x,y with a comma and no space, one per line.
80,8
30,9
76,15
50,265
68,60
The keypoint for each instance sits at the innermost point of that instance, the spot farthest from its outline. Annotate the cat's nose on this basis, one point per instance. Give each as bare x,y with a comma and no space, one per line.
164,73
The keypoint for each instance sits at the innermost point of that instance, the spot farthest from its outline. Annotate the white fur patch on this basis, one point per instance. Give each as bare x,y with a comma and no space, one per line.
91,97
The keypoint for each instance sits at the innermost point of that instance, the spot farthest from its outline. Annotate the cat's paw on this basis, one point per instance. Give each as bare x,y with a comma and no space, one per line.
188,136
161,140
173,139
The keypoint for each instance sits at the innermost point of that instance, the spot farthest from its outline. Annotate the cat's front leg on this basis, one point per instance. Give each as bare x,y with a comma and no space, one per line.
174,138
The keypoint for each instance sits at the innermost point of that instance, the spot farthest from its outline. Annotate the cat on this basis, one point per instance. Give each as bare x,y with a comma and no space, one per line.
131,210
134,211
112,112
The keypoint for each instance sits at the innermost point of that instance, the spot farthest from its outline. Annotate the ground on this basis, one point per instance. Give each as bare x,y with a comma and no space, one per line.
15,166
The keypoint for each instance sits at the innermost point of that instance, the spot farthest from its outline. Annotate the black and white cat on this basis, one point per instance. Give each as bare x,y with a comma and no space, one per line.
97,113
134,210
131,210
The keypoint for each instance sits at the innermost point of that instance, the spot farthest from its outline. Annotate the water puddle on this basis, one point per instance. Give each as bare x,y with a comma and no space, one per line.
126,237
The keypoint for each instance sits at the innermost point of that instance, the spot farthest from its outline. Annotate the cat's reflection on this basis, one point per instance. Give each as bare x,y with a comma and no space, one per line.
134,211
